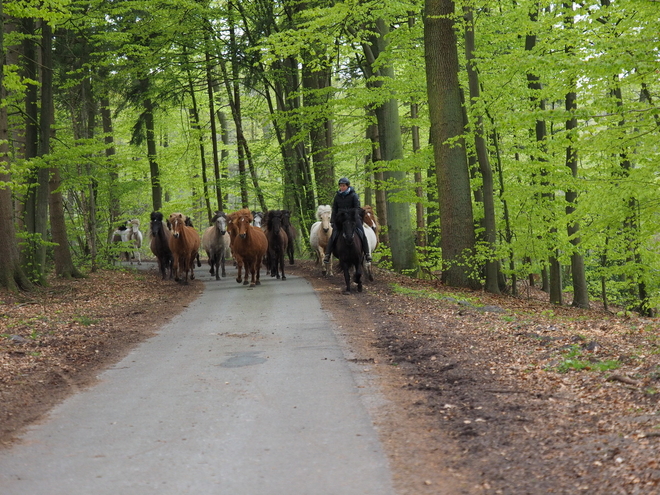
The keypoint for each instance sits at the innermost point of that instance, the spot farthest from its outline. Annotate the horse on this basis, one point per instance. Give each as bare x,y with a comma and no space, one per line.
135,237
258,218
130,236
371,220
216,241
290,234
319,235
249,245
277,242
160,243
232,230
348,247
372,242
184,244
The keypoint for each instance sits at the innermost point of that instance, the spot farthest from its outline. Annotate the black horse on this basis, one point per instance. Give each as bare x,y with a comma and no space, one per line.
160,243
348,247
277,243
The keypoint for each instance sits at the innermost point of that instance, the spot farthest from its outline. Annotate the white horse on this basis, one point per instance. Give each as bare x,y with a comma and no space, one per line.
135,237
319,235
130,235
372,240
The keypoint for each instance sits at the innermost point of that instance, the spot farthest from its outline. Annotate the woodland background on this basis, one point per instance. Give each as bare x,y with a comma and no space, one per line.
499,142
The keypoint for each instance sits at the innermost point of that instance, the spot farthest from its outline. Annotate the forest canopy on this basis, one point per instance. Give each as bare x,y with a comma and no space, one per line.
500,143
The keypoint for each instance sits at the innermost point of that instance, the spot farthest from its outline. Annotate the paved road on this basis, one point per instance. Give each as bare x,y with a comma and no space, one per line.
247,392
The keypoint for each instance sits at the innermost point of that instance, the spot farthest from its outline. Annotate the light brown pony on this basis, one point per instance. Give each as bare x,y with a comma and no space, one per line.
248,244
184,243
319,235
371,220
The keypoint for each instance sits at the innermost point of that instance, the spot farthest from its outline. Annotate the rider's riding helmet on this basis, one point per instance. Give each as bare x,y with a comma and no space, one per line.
344,180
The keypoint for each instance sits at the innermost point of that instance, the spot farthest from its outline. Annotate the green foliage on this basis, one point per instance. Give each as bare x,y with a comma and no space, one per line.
573,359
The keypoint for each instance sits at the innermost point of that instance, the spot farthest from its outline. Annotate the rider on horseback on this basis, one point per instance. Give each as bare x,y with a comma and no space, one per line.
346,198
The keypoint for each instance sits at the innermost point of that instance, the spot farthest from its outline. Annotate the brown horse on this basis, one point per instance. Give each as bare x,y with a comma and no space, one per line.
184,244
249,244
160,243
371,220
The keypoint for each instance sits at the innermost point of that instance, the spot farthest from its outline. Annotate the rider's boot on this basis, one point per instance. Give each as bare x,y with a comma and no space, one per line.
365,248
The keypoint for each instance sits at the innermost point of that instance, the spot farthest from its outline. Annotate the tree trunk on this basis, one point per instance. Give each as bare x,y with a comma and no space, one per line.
61,253
492,265
400,233
456,219
214,132
36,198
12,276
316,96
156,186
106,118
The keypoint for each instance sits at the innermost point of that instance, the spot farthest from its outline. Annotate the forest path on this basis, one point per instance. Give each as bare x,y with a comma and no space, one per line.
247,391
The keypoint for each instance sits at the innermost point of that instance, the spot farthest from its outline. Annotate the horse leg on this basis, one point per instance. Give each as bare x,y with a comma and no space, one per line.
222,263
283,276
258,270
358,276
212,265
139,256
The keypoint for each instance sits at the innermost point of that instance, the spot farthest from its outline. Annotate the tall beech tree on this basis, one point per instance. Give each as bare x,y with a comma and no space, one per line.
457,237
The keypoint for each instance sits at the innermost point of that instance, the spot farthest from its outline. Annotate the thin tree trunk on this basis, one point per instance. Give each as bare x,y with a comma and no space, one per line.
492,265
214,132
156,187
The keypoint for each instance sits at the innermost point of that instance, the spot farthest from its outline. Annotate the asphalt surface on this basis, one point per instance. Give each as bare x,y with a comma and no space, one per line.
247,392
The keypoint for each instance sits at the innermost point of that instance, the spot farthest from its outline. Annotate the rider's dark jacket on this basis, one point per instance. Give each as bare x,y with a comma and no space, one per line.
344,200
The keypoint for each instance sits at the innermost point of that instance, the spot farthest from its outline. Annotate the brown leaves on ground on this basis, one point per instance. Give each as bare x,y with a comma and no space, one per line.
535,398
486,394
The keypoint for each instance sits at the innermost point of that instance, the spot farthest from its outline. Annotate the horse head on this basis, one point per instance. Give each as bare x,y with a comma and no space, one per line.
176,221
220,221
274,221
243,222
346,224
257,218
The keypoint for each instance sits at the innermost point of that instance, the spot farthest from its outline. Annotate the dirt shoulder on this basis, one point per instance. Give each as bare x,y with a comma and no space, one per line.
481,393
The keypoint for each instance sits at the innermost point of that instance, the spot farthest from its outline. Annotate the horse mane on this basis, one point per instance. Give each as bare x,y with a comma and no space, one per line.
217,215
323,209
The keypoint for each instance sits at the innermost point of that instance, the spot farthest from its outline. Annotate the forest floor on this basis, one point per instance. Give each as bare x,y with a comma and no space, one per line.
483,393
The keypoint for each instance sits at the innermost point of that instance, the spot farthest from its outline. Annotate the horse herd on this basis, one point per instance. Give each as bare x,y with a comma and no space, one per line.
250,239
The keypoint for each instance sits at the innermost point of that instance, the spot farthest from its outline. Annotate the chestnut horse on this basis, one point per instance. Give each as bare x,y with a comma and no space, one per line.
277,242
249,244
348,247
184,244
371,220
319,235
160,243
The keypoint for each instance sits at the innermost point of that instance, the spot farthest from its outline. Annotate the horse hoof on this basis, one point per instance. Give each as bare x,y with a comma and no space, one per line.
246,282
346,292
283,277
239,280
359,287
258,282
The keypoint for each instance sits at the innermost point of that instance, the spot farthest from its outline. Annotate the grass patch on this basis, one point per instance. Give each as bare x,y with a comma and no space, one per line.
428,294
573,359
